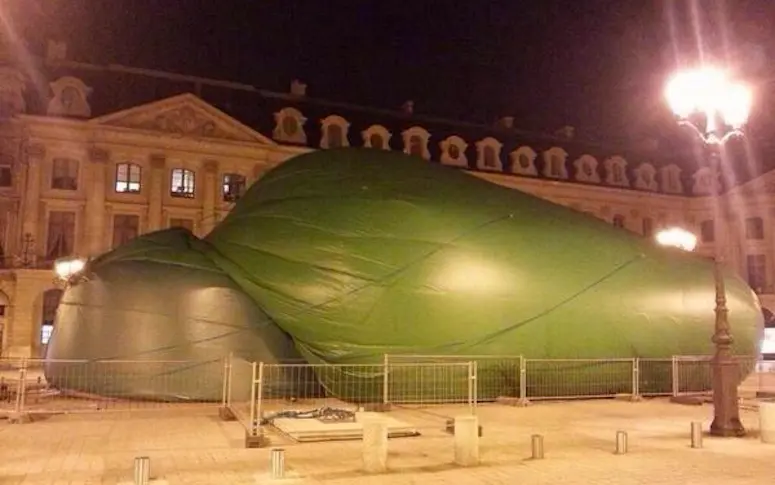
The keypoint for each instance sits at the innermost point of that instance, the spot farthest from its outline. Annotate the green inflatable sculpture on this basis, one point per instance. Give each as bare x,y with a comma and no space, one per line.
357,253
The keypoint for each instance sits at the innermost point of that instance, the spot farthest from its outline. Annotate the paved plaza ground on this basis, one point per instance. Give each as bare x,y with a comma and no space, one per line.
192,446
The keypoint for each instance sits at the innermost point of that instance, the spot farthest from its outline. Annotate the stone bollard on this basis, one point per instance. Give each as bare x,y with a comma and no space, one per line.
142,470
537,447
696,434
466,440
277,463
621,443
375,445
767,421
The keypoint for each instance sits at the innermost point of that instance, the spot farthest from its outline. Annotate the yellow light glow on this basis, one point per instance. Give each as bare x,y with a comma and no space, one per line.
66,268
677,238
710,91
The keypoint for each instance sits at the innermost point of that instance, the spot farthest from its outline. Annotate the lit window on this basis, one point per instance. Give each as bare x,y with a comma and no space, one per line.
45,333
233,187
128,178
183,183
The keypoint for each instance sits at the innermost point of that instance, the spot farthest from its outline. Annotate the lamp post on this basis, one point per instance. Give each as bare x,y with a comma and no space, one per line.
724,104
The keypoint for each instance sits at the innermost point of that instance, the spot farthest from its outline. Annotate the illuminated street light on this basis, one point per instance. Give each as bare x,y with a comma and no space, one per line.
725,104
677,238
67,268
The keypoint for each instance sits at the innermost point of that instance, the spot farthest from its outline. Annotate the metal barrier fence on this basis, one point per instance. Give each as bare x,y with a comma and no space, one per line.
522,379
36,386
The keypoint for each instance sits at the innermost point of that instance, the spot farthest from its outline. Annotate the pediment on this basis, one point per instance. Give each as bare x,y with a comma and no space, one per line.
183,115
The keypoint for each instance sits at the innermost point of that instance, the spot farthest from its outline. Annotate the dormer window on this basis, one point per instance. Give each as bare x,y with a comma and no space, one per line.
489,154
616,172
64,174
289,126
586,169
70,98
645,177
377,137
128,178
671,179
554,163
233,187
703,181
416,142
334,132
523,161
182,183
453,151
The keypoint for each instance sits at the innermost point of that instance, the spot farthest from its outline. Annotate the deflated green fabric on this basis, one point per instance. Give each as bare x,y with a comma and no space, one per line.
358,253
155,319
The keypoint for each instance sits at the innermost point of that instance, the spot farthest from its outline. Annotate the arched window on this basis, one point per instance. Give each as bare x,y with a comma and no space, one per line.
489,157
335,136
416,146
376,141
128,177
182,183
618,221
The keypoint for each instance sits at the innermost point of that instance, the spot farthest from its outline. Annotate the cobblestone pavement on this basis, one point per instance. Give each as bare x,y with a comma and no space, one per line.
193,446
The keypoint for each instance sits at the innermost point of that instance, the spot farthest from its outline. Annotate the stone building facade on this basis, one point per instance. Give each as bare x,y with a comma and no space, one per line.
91,156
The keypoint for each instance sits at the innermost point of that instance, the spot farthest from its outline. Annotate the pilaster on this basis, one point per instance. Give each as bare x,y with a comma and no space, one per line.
210,196
35,156
156,193
95,203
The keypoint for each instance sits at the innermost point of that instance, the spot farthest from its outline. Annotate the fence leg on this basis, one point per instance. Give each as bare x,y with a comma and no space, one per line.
523,401
386,383
472,385
254,437
225,412
19,415
636,380
674,375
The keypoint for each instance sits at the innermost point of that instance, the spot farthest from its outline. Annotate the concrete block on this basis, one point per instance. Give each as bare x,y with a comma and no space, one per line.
258,441
466,441
375,445
767,421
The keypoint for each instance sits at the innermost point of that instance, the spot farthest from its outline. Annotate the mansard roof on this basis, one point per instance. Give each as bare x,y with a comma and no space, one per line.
115,88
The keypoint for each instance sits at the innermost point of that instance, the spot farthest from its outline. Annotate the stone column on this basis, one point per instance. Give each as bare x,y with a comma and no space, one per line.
156,192
35,155
466,441
95,202
375,445
209,196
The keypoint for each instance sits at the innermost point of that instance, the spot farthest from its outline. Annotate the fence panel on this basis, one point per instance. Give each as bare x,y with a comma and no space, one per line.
242,392
579,378
11,384
497,376
655,377
318,390
68,386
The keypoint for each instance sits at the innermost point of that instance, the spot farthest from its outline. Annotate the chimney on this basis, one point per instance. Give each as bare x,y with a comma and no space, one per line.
408,107
298,88
505,123
56,51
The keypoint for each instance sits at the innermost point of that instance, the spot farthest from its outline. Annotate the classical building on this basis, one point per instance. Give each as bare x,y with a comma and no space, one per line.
91,156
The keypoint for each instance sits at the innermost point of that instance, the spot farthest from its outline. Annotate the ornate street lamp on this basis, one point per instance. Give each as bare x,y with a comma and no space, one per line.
677,238
724,104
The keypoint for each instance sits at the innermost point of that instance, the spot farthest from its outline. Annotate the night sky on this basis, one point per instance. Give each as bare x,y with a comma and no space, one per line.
596,64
